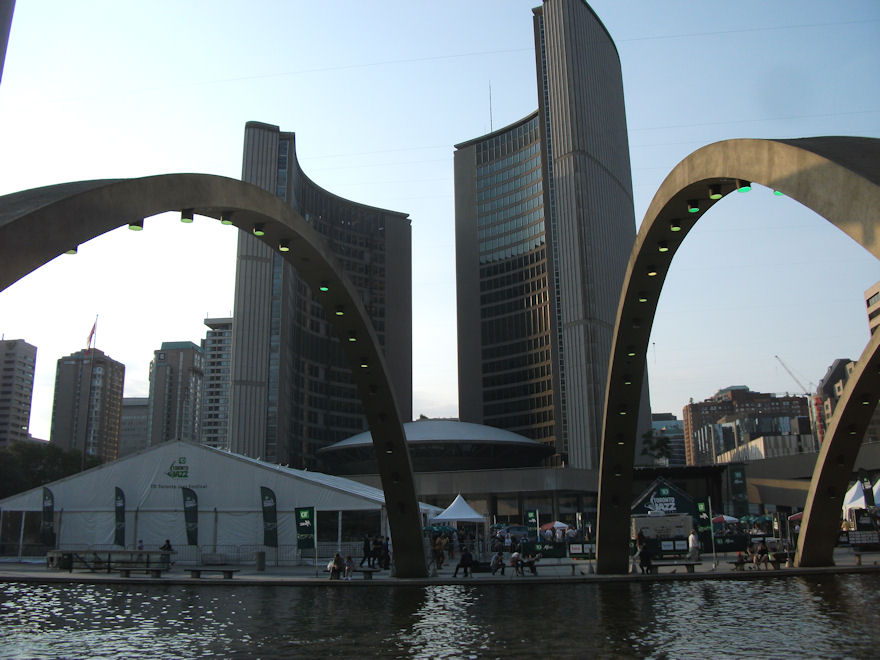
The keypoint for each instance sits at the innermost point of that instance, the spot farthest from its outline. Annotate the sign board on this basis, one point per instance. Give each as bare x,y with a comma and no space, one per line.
305,527
532,523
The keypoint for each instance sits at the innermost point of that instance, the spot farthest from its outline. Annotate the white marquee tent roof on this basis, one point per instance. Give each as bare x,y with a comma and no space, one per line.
225,483
459,511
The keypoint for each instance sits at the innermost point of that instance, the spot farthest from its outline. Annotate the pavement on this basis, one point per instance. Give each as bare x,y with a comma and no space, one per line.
548,571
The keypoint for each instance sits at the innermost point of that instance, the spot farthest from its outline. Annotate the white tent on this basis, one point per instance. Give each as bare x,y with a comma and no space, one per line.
230,493
459,511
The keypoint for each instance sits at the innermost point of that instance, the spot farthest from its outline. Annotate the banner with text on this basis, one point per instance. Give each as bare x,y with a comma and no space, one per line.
191,515
270,517
305,527
47,525
119,507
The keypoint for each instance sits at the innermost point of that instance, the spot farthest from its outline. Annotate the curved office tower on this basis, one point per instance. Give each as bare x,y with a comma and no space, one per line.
292,392
544,228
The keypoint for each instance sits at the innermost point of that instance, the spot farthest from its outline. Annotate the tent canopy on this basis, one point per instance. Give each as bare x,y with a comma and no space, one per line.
459,511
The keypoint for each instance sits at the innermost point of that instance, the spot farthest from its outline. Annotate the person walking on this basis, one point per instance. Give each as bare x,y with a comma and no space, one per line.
693,546
368,551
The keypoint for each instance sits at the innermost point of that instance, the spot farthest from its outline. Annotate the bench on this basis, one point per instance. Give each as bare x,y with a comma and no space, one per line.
126,571
689,565
368,572
196,573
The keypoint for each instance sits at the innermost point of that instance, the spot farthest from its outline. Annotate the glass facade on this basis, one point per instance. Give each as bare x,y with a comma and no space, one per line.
516,351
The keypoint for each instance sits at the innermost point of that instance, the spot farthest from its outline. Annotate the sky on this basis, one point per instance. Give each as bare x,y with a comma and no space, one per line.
377,94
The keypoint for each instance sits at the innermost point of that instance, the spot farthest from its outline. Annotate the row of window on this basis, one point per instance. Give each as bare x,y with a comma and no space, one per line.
522,248
492,154
533,163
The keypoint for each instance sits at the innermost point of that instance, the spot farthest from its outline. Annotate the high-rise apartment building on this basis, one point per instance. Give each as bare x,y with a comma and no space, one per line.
215,397
87,408
544,227
292,391
176,374
17,362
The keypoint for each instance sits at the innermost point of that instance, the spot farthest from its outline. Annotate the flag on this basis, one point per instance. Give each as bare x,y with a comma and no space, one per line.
92,334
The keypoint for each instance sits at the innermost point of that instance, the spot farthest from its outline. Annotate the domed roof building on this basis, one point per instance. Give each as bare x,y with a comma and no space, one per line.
439,445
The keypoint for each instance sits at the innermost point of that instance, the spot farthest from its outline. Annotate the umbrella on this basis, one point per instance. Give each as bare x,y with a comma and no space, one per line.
724,519
554,525
796,517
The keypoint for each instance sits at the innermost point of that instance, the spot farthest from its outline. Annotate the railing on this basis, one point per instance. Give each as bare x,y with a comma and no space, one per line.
283,555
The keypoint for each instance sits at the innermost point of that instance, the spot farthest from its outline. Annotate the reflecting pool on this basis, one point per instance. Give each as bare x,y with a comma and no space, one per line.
827,616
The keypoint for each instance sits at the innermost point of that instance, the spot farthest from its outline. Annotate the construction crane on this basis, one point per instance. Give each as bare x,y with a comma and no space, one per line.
784,366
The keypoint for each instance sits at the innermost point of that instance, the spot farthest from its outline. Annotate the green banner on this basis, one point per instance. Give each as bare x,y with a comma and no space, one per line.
739,496
305,527
119,508
270,517
532,523
47,525
191,515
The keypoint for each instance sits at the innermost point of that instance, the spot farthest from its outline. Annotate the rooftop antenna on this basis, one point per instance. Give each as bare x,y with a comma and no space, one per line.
491,128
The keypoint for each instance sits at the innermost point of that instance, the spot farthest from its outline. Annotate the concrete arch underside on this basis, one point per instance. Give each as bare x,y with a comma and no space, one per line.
838,178
38,225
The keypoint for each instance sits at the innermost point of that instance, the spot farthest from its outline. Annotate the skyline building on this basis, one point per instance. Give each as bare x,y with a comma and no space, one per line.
544,227
87,406
175,404
18,360
133,425
292,391
217,347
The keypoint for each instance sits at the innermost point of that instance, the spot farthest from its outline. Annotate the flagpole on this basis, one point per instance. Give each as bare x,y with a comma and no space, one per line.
89,342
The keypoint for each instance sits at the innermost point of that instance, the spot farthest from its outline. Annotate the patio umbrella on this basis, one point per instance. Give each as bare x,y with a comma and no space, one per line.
724,519
554,525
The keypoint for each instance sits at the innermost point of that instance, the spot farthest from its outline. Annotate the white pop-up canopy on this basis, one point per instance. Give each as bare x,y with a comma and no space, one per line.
459,511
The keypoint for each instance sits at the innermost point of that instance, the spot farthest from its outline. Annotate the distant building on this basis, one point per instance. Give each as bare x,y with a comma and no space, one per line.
87,409
6,9
133,427
17,363
176,374
872,302
667,428
216,384
831,389
544,227
736,402
770,446
292,389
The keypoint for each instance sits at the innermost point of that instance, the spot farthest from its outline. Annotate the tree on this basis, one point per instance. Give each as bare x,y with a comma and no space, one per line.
656,446
26,465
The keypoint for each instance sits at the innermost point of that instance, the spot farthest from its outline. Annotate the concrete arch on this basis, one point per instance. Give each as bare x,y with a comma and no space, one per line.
838,178
38,225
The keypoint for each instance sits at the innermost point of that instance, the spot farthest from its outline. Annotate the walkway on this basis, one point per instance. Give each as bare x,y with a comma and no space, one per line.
549,572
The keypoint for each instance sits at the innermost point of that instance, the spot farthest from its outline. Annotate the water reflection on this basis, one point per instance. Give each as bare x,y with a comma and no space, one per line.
723,618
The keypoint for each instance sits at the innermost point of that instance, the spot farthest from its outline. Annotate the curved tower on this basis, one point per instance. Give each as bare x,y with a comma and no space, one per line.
292,392
544,229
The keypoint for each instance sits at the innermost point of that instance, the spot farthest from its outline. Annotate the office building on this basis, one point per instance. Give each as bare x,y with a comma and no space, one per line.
87,408
17,362
133,425
292,391
544,227
667,433
176,374
215,396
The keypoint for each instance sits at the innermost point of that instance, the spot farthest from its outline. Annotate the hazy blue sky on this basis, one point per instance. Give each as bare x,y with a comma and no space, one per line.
378,93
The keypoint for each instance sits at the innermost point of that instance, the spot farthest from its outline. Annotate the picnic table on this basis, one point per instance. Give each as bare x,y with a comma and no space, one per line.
107,560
